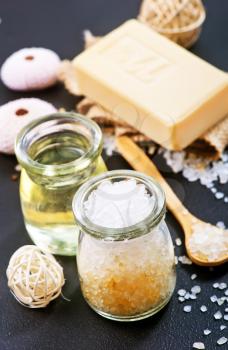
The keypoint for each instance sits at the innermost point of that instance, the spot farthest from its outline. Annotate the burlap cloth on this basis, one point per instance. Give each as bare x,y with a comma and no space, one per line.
211,144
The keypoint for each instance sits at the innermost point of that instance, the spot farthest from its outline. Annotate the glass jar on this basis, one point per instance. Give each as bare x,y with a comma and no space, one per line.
57,154
127,273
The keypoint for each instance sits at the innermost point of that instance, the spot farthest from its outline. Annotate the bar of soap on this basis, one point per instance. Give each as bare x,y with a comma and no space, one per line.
161,89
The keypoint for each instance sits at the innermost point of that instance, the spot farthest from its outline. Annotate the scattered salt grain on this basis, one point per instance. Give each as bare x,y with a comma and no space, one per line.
196,290
222,286
222,341
17,168
187,296
184,260
181,299
187,308
226,309
193,276
206,331
181,292
218,315
178,242
213,298
203,308
198,345
220,301
226,292
216,285
226,199
225,317
220,224
213,190
109,144
222,327
193,296
219,195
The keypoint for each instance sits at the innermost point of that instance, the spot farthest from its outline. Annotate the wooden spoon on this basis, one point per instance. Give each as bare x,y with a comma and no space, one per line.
139,161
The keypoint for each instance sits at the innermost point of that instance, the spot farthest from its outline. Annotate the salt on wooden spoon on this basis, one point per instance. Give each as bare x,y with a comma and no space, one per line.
206,244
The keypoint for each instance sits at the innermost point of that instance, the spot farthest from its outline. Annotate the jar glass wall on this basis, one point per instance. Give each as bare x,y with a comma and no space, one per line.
127,273
57,154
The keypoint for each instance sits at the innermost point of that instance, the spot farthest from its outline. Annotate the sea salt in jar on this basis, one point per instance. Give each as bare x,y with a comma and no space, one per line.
125,254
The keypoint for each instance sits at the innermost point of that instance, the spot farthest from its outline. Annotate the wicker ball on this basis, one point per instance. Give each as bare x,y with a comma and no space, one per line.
179,20
34,277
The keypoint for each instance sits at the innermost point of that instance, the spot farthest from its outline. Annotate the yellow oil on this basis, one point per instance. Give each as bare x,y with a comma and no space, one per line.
47,209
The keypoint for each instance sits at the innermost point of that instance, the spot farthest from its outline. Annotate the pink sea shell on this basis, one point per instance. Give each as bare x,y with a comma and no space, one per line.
30,69
15,115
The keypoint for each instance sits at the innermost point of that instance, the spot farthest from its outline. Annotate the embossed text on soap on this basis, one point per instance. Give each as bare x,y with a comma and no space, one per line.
136,59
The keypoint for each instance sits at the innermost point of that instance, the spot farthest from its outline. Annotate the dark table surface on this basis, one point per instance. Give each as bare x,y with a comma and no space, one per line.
58,25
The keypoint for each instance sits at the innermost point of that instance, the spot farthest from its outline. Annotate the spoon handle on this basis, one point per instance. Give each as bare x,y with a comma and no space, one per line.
140,162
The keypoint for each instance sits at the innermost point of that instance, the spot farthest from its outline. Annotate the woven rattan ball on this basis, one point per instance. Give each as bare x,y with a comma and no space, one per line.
34,277
179,20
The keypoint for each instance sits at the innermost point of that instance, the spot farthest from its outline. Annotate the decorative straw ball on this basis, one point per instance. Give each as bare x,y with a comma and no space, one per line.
179,20
30,69
34,277
15,115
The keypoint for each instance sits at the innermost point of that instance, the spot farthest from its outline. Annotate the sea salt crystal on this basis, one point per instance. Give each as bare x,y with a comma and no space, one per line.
222,341
198,345
193,296
220,301
203,308
222,327
226,199
222,285
174,159
218,315
213,298
187,296
193,276
225,317
196,289
181,292
216,285
213,190
17,168
226,309
185,260
219,195
226,292
206,331
220,224
109,144
178,242
187,308
181,299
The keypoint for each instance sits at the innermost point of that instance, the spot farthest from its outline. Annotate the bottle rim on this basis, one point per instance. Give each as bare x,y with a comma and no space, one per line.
23,141
118,234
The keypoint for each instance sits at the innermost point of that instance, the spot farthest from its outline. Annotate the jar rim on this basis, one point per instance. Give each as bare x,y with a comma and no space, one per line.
140,228
49,169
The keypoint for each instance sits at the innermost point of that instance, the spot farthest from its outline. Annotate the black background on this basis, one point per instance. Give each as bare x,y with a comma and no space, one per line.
58,25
